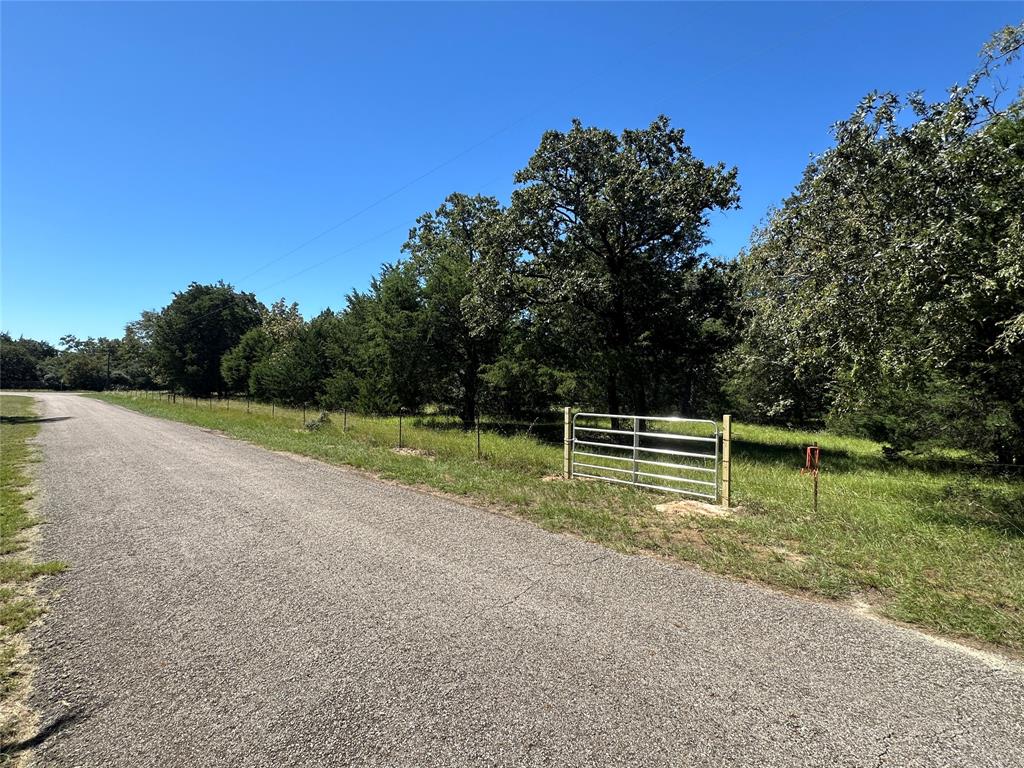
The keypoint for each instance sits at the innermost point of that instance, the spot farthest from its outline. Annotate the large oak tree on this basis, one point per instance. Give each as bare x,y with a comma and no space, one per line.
611,229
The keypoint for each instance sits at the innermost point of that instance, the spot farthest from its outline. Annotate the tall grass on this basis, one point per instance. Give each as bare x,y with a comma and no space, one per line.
937,548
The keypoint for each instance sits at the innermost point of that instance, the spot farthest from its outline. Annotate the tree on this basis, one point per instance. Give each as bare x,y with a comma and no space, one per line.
237,365
889,287
610,227
373,356
20,361
294,370
17,367
396,355
444,247
196,329
345,341
281,319
82,363
133,353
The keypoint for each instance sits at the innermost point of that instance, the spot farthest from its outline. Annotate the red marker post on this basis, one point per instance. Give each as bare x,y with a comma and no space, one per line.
812,466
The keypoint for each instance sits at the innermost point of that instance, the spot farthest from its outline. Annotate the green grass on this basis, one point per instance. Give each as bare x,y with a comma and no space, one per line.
938,549
18,605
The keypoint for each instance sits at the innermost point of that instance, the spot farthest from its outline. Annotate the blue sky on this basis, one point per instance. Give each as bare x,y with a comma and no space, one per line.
147,145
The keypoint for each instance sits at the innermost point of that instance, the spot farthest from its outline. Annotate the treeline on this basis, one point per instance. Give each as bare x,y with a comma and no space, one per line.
884,297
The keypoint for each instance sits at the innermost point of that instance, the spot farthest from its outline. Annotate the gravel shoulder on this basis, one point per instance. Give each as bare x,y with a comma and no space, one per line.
227,605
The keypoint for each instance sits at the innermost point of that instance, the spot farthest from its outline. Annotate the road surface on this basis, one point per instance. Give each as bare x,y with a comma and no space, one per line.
230,606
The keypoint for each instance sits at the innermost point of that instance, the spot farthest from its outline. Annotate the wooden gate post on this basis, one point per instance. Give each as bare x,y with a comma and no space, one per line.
567,447
726,460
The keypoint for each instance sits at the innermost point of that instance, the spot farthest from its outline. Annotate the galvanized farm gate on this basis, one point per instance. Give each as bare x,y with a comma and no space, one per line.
663,453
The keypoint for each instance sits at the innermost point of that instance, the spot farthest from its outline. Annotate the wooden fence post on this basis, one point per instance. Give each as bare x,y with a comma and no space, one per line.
726,460
567,450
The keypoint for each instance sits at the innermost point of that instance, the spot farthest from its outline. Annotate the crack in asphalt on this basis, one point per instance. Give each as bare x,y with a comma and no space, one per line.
886,740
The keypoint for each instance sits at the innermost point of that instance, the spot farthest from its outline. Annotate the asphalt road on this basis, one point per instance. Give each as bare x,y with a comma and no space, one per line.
227,605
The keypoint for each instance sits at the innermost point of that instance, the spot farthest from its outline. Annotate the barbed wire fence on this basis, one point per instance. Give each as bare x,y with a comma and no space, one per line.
312,417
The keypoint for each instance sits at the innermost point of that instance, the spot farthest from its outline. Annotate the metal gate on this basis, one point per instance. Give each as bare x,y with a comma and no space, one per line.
664,453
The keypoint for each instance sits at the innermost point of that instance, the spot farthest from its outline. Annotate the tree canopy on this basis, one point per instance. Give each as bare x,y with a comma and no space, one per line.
887,289
196,329
885,296
610,229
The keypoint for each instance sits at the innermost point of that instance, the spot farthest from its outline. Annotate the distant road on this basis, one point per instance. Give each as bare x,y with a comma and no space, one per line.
230,606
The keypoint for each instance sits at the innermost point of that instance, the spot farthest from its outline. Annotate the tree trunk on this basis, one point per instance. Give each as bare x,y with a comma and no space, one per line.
612,391
640,397
686,397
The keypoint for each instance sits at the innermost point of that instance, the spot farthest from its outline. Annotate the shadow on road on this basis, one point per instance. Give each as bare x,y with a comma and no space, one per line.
45,732
31,419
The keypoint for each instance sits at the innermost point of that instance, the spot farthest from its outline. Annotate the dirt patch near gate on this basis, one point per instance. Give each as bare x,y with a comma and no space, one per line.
414,452
687,508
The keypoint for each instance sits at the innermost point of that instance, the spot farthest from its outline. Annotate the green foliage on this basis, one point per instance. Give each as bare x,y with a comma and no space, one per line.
444,247
85,363
294,371
610,228
21,361
131,362
85,369
394,357
238,363
889,285
344,336
281,320
517,384
321,421
194,332
884,298
133,354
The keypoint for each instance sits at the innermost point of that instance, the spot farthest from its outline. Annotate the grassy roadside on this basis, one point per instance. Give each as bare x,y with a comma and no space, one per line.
939,549
18,605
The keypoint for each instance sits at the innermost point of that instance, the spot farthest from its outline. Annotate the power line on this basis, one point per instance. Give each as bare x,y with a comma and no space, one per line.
320,263
333,256
508,126
398,190
379,235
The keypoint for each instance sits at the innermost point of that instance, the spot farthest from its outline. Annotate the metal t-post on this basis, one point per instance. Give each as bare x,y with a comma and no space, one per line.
567,445
726,460
636,443
816,464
